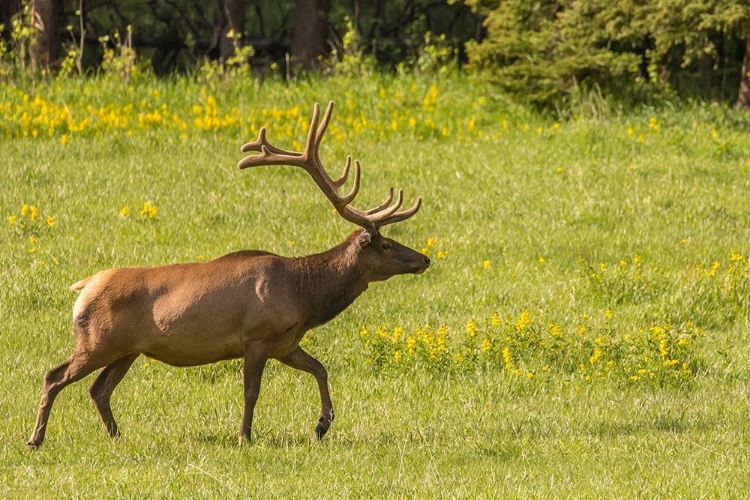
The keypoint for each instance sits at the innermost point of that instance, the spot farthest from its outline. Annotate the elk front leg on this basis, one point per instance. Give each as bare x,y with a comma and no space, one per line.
300,360
105,383
255,363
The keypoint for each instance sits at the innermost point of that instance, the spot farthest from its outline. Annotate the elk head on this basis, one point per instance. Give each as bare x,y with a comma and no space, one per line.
383,257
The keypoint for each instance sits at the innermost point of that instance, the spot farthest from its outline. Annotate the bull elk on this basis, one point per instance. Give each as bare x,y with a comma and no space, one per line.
249,304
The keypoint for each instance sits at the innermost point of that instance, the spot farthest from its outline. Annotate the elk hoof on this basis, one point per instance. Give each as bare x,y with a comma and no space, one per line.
322,428
33,444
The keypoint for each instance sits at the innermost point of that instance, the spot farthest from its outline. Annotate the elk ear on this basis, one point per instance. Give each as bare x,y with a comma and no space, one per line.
363,238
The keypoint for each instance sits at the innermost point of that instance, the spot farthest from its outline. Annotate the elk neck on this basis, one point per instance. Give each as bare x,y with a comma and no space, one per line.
330,281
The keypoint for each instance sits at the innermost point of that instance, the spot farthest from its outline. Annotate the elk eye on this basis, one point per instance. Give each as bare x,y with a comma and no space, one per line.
387,246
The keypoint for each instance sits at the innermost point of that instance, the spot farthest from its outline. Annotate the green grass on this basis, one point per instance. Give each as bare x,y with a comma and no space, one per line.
500,185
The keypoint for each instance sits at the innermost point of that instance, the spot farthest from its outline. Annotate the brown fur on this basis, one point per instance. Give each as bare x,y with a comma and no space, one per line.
250,304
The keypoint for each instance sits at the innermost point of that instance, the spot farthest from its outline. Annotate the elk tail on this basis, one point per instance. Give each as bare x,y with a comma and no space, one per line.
78,285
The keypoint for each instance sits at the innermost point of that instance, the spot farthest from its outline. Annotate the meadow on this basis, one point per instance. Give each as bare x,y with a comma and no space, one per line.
581,333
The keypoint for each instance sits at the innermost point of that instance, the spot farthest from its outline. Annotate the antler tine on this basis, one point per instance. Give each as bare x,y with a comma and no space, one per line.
312,136
355,187
345,174
324,124
380,207
399,216
385,213
257,145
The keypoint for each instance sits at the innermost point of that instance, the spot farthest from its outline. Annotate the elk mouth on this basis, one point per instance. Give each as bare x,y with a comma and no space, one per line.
422,266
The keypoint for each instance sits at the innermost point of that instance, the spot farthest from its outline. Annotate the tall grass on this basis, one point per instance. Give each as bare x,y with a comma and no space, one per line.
522,215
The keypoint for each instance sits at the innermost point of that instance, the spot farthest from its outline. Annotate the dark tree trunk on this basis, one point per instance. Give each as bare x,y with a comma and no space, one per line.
309,33
230,16
8,9
47,16
743,98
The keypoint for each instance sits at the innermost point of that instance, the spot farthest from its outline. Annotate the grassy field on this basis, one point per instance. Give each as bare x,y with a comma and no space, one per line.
582,332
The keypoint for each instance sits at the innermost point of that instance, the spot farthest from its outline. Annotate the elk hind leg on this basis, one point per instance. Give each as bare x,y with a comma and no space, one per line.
101,389
75,368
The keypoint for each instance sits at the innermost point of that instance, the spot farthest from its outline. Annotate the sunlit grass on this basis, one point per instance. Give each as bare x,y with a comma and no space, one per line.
581,332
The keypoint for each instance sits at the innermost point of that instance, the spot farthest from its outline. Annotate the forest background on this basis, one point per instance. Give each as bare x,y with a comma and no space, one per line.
545,51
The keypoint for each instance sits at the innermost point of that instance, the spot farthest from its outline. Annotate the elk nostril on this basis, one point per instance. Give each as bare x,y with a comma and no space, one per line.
426,261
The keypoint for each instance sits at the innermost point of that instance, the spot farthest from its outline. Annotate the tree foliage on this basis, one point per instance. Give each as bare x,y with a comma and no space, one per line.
545,49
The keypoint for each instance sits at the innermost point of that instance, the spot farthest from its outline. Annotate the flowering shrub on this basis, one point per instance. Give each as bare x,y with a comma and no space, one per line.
593,347
531,349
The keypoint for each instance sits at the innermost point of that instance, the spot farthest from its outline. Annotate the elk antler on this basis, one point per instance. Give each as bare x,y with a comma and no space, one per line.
309,160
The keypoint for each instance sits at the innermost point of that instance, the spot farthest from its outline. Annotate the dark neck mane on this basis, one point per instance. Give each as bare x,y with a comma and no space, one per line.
330,281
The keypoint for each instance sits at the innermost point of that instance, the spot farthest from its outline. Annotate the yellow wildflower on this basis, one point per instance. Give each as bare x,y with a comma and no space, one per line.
554,329
495,319
594,359
25,211
608,313
653,124
12,219
51,222
411,344
124,211
486,345
397,332
507,358
714,267
148,210
382,332
523,321
34,212
486,264
471,328
397,355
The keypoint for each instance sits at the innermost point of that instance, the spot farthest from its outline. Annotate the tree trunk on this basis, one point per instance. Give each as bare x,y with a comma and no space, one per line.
310,32
743,98
47,15
230,16
8,9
